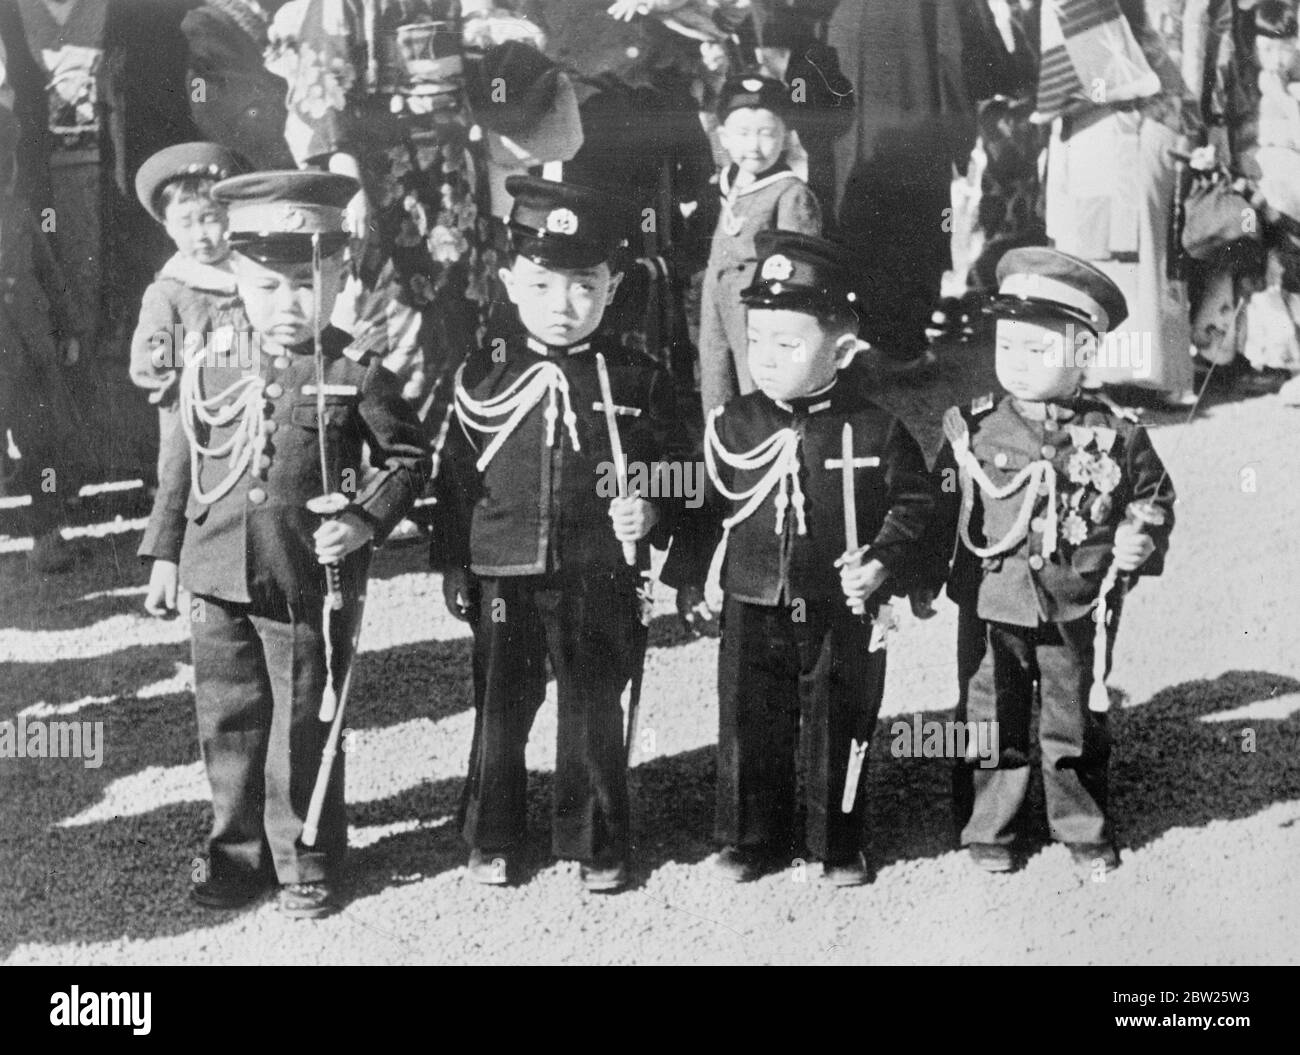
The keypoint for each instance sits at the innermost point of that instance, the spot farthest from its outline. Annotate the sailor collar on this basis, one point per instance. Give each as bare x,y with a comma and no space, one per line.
813,403
775,174
209,278
556,351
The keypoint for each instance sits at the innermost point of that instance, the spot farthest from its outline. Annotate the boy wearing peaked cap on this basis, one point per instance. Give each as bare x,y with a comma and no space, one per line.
192,300
530,505
822,501
232,523
760,192
1060,502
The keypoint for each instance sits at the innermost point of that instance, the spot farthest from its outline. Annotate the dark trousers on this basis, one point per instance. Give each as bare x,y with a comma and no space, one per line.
1000,666
791,690
592,632
259,672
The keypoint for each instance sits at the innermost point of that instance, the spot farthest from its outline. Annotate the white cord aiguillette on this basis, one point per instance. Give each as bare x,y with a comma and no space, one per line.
513,404
778,455
1032,477
239,404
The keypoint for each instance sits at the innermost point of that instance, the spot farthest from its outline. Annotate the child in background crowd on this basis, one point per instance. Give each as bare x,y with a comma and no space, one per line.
193,300
759,193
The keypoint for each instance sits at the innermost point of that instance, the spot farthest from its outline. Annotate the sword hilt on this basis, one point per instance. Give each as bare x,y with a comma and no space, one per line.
327,507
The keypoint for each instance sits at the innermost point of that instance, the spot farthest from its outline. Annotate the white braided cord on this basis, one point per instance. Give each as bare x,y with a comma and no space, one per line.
239,403
778,455
509,408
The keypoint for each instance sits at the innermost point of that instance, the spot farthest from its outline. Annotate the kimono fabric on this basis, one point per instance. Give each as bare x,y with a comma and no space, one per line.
1116,216
381,83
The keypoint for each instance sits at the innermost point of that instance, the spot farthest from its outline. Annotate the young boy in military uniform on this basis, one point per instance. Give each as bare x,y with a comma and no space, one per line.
823,500
234,526
1055,490
528,509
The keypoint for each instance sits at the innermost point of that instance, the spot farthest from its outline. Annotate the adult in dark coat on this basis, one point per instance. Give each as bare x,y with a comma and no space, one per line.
234,99
894,166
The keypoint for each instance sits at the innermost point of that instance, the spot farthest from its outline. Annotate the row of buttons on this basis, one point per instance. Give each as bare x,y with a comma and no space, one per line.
256,495
1001,459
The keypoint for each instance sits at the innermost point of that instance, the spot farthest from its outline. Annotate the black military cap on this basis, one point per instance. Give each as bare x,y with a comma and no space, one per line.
209,160
1036,280
756,92
562,224
800,272
274,214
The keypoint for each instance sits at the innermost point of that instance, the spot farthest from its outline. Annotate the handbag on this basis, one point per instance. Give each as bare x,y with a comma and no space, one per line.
1216,214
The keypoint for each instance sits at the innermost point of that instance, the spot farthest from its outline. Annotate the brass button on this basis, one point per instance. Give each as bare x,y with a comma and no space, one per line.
1036,523
257,496
264,462
1036,562
269,427
282,362
1000,459
1048,451
1044,488
274,391
1050,426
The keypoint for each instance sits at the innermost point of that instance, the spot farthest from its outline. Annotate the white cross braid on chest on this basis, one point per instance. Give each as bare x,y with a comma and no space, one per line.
777,457
240,405
498,416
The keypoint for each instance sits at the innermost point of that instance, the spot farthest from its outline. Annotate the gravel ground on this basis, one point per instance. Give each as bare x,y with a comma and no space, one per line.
95,863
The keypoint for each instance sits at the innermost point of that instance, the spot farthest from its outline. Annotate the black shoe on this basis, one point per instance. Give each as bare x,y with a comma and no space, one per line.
742,865
604,876
489,867
308,900
1088,855
992,857
227,893
853,872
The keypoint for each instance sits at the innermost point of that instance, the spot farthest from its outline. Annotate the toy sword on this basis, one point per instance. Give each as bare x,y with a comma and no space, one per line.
327,504
857,755
615,445
846,463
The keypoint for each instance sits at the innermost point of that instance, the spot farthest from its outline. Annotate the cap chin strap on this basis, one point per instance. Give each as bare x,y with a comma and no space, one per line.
512,405
779,455
239,404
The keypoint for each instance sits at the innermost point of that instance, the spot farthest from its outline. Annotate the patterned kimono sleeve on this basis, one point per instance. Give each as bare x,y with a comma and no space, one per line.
329,72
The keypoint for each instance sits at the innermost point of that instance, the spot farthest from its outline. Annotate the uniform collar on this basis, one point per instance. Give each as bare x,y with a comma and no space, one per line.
813,403
556,351
1034,411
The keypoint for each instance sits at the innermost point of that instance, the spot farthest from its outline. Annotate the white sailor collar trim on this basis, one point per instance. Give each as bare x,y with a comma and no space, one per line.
724,182
206,277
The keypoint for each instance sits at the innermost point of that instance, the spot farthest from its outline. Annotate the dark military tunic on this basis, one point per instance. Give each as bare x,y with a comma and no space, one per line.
249,560
534,525
1026,614
797,676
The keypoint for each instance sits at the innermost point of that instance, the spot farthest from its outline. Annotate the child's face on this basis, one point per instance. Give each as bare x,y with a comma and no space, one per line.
1029,359
1275,56
791,354
279,299
198,227
753,139
558,305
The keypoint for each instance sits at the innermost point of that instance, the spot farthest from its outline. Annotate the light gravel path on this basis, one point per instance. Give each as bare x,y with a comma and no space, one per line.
95,863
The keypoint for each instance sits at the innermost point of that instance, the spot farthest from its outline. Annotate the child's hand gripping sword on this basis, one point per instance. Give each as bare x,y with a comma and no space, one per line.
1143,515
644,592
615,445
328,504
847,463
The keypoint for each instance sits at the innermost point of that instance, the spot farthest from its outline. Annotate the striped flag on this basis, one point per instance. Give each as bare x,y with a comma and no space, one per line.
1089,58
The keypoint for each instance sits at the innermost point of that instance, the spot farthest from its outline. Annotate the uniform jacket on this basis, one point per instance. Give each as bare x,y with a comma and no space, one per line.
536,508
256,540
895,500
1021,586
